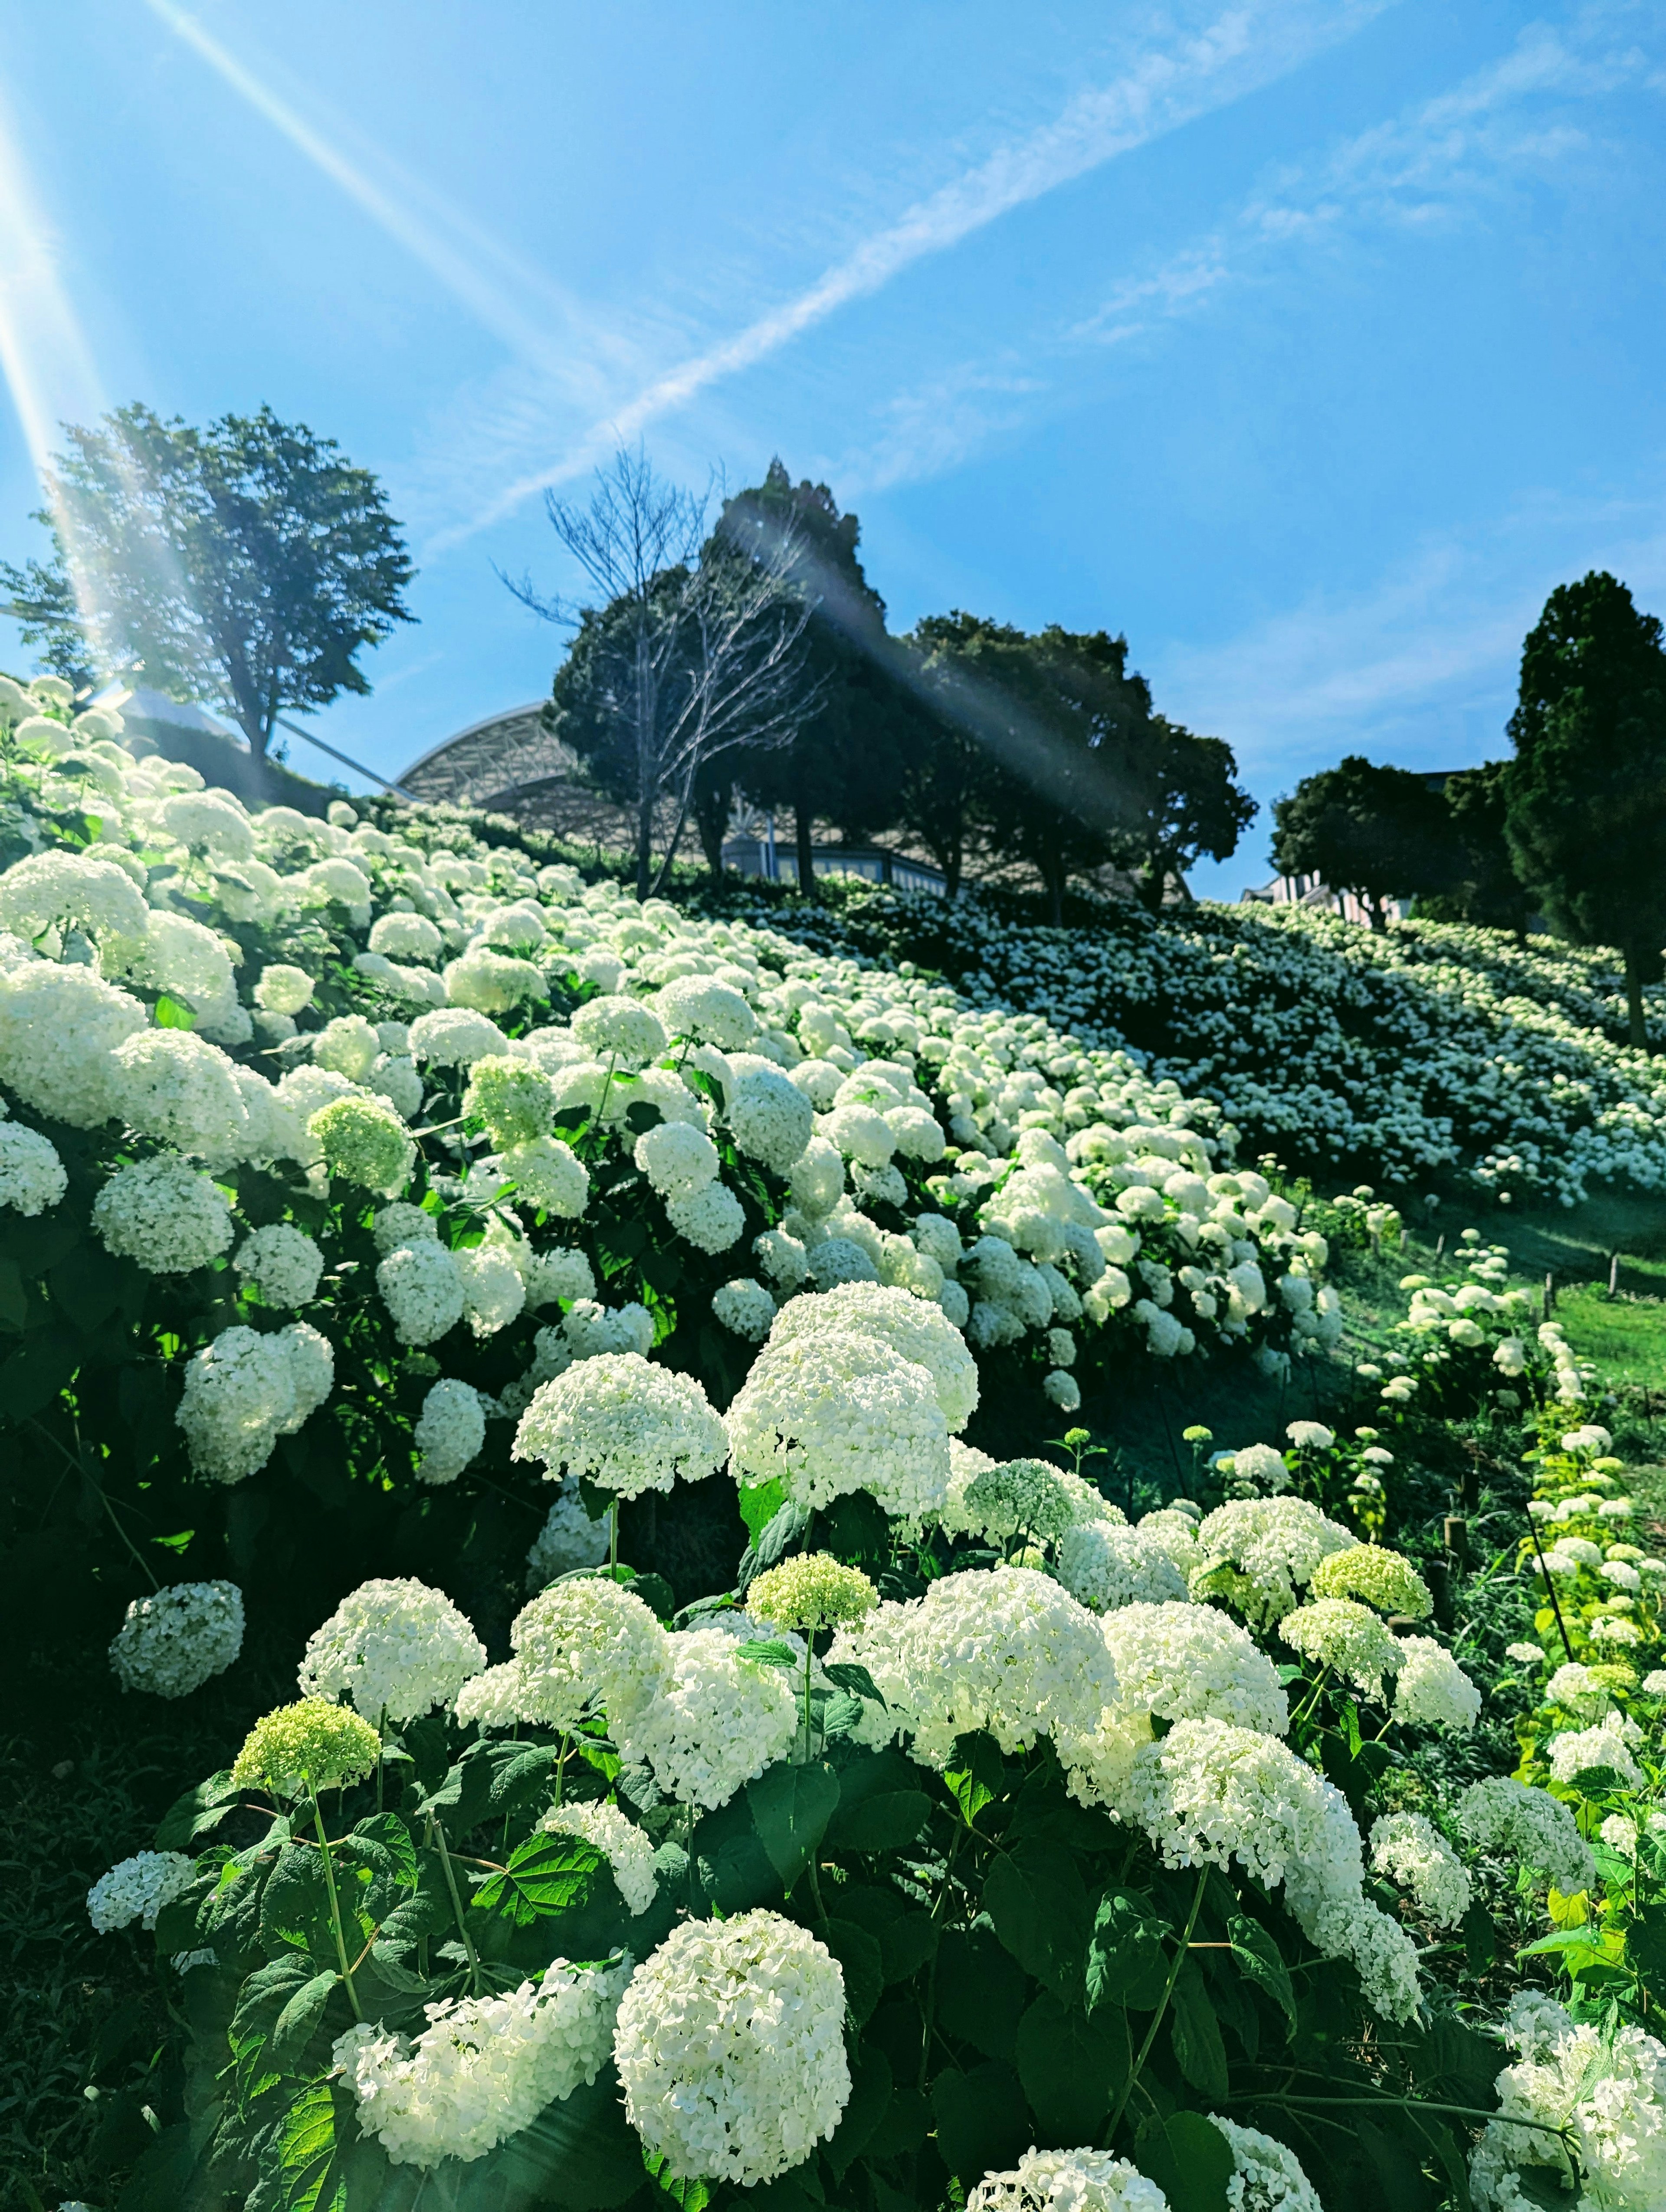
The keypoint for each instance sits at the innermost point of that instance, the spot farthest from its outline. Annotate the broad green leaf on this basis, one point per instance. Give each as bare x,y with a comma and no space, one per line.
1188,2158
1257,1957
861,1960
976,1775
579,2154
768,1651
1128,1960
759,1503
309,2151
982,2125
1195,2034
882,1806
849,1676
198,1812
687,2196
384,1843
868,2103
546,1874
173,1014
294,1907
979,1991
1035,1900
791,1807
293,2028
1072,2069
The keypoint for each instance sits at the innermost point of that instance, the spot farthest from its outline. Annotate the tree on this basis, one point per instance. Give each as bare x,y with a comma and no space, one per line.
1586,790
693,651
1192,806
246,565
946,776
841,761
1378,832
1061,724
1484,887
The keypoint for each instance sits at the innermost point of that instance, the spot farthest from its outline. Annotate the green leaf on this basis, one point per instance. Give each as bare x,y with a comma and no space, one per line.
759,1503
1188,2158
545,1874
160,2182
868,2103
861,1961
1127,1961
1195,2034
980,1992
14,1298
1257,1957
687,2196
982,2125
907,1944
198,1812
976,1775
579,2153
309,2151
293,2028
173,1014
881,1805
1037,1904
849,1676
384,1843
294,1907
1073,2069
791,1807
768,1651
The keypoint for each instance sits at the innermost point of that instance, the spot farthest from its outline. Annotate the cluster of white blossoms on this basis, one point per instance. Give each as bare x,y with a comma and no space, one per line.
628,1425
730,2046
1410,1849
31,1175
1183,1662
282,1263
246,1390
1503,1817
584,1644
137,1889
569,1540
484,2068
450,1430
173,1642
830,1410
628,1853
1260,1553
716,1726
1068,2181
1569,2085
1429,1045
394,1650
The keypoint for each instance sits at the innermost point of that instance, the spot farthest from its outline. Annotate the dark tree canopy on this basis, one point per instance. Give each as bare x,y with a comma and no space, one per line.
1586,818
842,763
246,565
1378,832
1192,806
1482,886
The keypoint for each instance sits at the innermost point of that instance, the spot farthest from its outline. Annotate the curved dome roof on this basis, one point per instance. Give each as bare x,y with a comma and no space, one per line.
493,763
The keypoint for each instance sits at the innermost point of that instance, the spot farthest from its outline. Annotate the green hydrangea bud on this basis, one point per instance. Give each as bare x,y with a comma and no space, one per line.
513,1099
810,1592
315,1742
365,1142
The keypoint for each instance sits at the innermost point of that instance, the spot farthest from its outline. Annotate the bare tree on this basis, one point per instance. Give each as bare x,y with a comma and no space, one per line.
695,648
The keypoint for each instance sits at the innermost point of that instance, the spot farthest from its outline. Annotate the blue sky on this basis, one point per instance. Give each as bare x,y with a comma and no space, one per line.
1308,344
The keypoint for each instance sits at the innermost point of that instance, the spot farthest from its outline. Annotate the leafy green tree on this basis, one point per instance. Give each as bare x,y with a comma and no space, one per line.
1192,806
842,760
1586,818
1484,887
1062,724
247,565
947,778
1378,832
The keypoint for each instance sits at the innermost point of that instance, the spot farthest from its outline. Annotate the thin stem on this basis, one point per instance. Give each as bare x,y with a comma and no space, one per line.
1309,1704
1396,2104
439,1834
335,1901
613,1539
1157,2018
809,1656
1550,1585
80,1467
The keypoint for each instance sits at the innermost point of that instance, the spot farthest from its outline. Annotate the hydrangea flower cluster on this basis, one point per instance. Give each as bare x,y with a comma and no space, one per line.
173,1642
392,1648
627,1851
137,1889
730,2045
715,1725
314,1743
628,1425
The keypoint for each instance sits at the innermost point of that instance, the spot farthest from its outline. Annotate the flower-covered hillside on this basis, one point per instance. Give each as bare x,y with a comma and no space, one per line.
1426,1047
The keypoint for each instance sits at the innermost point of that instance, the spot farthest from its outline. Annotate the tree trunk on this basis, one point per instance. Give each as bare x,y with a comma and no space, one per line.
804,827
1150,890
952,862
1053,878
1379,920
711,817
1636,1020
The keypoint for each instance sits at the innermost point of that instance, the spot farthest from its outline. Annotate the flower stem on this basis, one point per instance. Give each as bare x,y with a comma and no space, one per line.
1157,2018
439,1834
335,1901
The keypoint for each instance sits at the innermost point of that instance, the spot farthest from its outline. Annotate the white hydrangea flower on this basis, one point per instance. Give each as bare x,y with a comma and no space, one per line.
1432,1690
627,1850
1084,2180
1573,1752
699,1006
492,1698
31,1175
569,1539
455,1036
744,1308
621,1030
1263,1551
730,2045
712,1217
771,1119
717,1725
1347,1637
1184,1661
1503,1816
585,1643
174,1641
394,1648
1267,2175
421,1287
493,1289
1410,1849
485,2067
908,1325
137,1889
677,1158
282,989
830,1412
629,1426
59,1027
450,1430
1105,1566
163,1214
282,1263
1608,2093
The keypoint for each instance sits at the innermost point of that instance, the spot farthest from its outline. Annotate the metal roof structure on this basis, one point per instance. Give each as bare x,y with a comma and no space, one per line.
493,763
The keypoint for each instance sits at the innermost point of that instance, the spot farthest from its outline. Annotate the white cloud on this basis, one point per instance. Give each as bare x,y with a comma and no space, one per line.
1248,45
